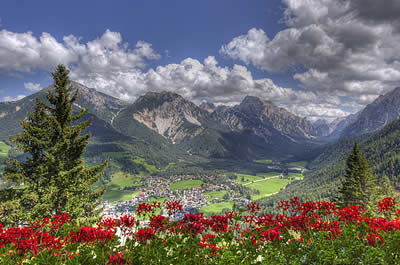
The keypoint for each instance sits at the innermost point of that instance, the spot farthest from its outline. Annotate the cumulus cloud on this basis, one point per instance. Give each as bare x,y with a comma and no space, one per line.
196,81
111,66
23,52
10,98
32,86
349,48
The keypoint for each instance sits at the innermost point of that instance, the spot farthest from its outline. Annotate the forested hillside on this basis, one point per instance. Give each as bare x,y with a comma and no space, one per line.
382,151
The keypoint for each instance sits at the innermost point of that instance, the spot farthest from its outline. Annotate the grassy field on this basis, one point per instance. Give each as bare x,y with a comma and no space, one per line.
215,195
264,161
114,194
267,187
216,207
162,200
244,178
4,149
185,184
150,169
119,180
301,164
268,174
123,179
296,176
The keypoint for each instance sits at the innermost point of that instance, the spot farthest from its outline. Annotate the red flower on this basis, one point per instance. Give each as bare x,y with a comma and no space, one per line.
117,259
157,222
386,204
144,208
91,234
350,213
108,223
374,239
219,224
144,234
127,221
253,207
173,207
271,235
60,220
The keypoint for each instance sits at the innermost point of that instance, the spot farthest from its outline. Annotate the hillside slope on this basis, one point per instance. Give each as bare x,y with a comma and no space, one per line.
382,151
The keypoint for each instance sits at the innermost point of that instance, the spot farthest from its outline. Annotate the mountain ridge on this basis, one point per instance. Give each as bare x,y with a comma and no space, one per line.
375,115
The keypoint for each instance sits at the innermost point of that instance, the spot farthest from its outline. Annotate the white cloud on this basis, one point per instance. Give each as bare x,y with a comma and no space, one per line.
23,52
197,81
17,97
32,86
349,48
111,66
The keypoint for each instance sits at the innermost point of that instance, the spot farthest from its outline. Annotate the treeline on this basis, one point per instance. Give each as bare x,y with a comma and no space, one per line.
382,150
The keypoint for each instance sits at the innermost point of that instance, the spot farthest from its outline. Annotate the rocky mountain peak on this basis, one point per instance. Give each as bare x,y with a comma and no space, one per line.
376,115
163,95
255,106
169,114
208,106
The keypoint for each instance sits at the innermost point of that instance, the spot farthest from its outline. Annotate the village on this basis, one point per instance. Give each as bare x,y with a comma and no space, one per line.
158,189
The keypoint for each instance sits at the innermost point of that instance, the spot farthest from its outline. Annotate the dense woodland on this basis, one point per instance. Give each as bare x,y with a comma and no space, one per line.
382,151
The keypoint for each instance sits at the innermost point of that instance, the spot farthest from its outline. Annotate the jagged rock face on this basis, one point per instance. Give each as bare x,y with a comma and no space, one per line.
279,118
376,115
321,128
228,116
210,107
170,115
264,119
339,124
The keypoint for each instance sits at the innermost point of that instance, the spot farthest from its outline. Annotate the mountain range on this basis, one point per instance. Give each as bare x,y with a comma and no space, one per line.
166,121
164,127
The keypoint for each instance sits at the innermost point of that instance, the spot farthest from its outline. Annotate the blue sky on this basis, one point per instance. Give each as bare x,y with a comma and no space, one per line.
299,54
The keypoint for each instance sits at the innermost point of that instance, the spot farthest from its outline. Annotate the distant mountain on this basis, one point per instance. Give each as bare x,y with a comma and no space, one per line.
340,124
99,104
170,115
106,138
248,131
165,127
376,115
208,106
265,119
322,128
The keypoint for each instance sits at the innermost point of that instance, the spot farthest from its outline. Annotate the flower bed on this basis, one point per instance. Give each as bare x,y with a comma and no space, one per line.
304,233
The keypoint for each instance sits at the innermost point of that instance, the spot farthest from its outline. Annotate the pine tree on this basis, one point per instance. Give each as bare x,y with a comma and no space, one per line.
359,184
385,188
53,178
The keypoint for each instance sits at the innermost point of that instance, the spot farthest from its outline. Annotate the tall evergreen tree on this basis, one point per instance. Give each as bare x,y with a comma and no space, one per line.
53,178
359,184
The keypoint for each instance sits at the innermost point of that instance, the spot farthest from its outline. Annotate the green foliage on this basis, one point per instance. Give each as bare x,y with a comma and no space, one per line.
359,185
217,195
267,187
4,148
186,184
216,208
52,178
382,150
300,164
264,161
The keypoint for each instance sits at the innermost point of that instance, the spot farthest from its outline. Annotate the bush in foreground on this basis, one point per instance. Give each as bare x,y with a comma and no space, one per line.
304,233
